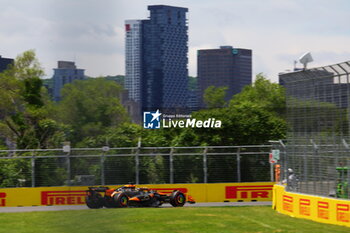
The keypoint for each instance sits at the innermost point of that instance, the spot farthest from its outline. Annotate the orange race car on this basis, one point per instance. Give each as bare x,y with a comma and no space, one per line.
130,195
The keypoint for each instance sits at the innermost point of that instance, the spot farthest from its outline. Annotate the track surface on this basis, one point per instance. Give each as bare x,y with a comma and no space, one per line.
83,207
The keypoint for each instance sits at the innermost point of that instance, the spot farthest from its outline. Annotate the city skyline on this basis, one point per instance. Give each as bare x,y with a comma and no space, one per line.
91,33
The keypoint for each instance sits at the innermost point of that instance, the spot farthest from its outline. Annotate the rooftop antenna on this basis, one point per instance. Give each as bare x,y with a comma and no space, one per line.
305,59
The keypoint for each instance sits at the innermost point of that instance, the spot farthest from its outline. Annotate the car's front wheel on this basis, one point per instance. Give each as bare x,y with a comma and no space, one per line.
121,200
177,199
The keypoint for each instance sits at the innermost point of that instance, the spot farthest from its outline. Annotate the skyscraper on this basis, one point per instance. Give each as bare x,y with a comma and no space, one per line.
156,58
133,30
225,67
4,62
66,72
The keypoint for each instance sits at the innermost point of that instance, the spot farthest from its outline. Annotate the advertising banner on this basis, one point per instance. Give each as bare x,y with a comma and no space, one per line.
320,209
217,192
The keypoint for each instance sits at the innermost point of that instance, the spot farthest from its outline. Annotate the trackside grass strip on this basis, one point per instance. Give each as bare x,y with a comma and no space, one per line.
182,220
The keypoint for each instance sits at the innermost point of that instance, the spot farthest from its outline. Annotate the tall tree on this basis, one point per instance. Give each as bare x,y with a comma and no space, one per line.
90,107
24,118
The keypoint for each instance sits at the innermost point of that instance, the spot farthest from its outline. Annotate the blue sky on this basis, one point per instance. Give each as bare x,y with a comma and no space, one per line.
91,32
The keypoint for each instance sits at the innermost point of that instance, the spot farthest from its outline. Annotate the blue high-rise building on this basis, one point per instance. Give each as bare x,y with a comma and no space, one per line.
156,58
66,72
224,67
4,63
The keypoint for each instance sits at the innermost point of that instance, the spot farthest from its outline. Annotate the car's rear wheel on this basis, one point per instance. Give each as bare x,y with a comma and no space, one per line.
121,200
177,199
94,201
108,202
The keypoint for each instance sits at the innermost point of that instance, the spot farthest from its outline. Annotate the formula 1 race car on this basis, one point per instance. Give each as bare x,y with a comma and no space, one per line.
129,195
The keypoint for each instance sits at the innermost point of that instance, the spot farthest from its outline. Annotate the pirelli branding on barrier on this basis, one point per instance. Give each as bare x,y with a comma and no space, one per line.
343,213
321,209
288,203
63,197
218,192
2,199
304,207
252,192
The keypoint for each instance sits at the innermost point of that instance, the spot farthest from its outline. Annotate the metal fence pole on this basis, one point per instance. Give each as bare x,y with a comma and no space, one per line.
238,157
171,166
33,169
137,166
315,147
271,172
68,169
103,168
283,155
205,167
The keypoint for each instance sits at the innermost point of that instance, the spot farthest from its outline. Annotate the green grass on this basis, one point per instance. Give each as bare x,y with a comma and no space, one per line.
182,220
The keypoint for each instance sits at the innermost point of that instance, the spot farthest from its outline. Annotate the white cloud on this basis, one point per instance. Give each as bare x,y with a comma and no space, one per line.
92,31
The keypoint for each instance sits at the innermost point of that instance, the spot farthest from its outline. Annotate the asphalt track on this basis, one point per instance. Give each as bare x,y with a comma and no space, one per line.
84,207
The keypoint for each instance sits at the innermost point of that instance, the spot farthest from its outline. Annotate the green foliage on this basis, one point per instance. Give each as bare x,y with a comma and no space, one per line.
90,107
25,66
253,116
13,171
269,96
214,97
24,116
120,79
32,91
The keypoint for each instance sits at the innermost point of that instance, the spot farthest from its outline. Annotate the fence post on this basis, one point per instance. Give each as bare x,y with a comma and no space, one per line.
283,162
205,168
346,145
103,168
171,166
315,147
68,168
33,169
137,164
271,172
238,157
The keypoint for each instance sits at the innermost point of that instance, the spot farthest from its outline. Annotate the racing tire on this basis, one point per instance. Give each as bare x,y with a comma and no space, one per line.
108,202
121,200
177,199
94,201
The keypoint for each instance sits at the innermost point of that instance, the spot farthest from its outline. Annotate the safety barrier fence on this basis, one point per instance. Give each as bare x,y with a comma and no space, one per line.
311,166
316,208
139,165
315,157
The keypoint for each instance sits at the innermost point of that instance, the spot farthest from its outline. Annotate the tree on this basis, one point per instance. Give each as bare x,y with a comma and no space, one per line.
90,107
253,116
269,96
214,97
24,118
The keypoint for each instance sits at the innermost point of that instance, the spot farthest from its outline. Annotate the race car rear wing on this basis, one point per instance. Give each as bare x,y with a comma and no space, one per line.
98,189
